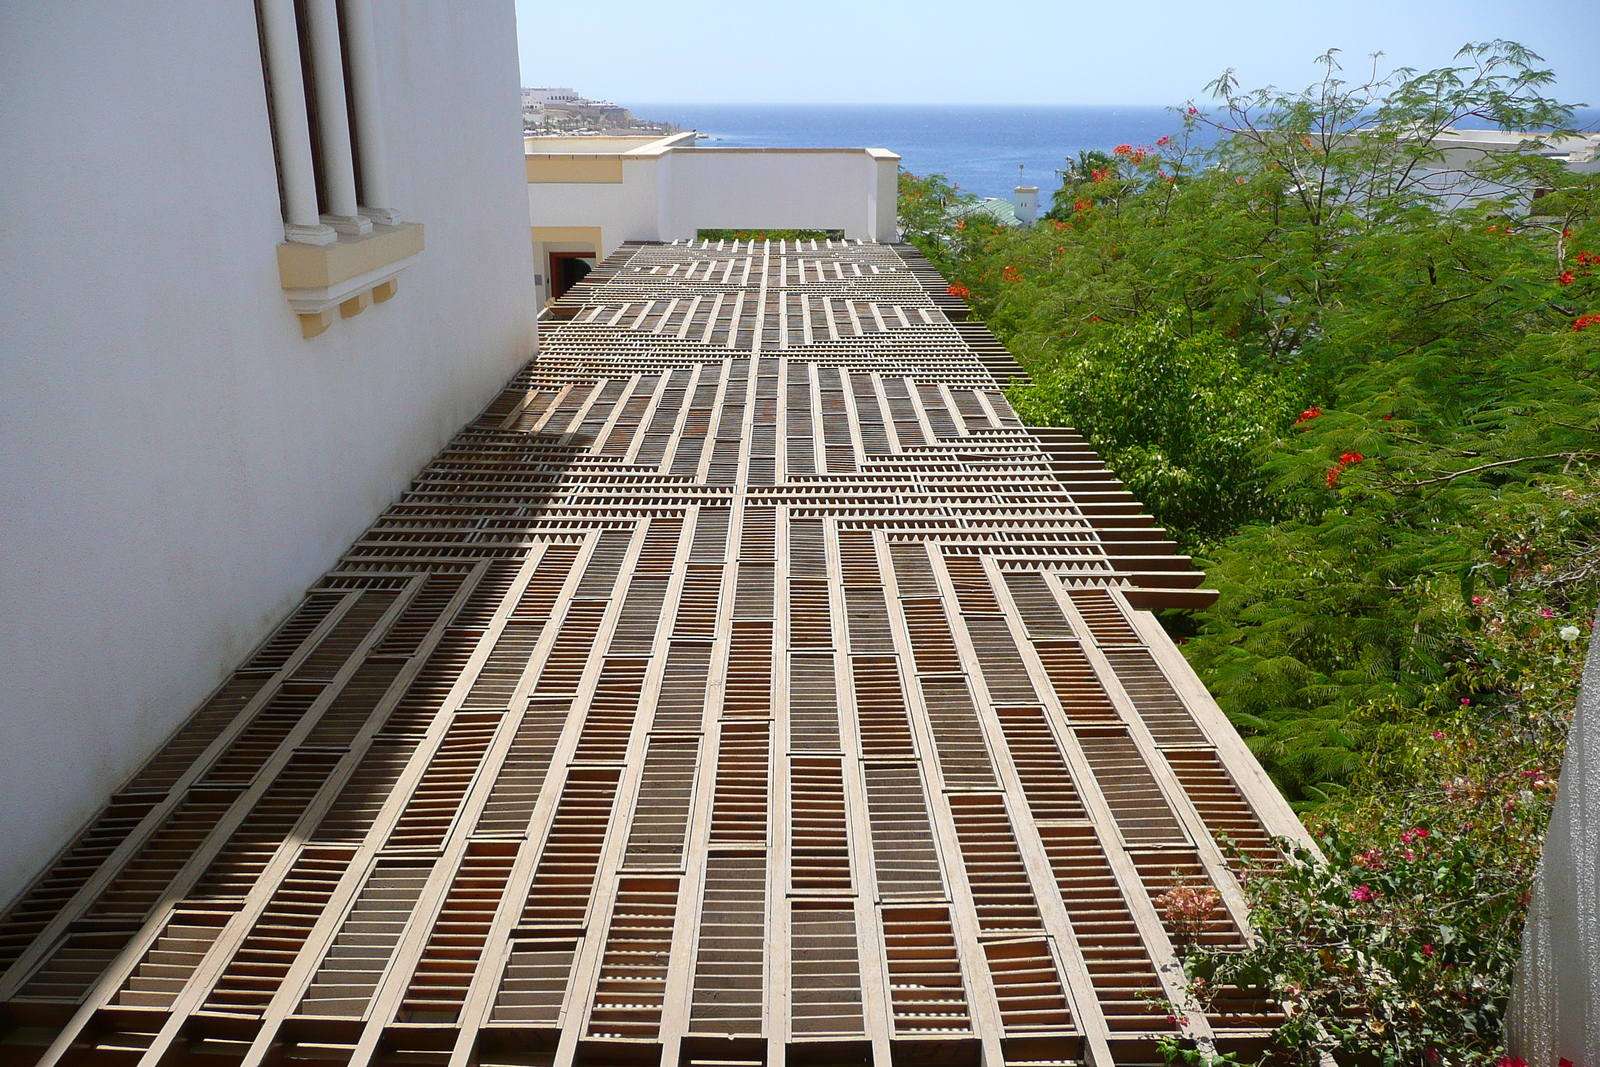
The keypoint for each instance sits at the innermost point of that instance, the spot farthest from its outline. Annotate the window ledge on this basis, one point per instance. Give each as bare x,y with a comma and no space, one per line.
351,274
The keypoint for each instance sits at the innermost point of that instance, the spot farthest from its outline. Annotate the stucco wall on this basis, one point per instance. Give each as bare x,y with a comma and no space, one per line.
179,462
714,188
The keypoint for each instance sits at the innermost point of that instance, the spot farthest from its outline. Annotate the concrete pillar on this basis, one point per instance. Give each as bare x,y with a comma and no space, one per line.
302,223
361,38
333,119
1555,1001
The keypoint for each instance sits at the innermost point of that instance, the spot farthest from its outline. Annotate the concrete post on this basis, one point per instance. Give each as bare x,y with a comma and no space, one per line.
302,223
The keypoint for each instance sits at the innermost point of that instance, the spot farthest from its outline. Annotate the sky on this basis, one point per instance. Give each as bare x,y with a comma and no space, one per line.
1160,52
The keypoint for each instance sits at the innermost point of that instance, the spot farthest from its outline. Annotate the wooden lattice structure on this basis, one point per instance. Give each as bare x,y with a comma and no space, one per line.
746,685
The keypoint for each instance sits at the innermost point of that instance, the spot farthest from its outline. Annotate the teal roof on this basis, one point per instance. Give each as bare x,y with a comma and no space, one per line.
1001,211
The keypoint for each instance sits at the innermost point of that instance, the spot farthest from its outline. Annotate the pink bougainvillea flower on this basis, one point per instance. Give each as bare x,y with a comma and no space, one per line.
1438,735
1363,894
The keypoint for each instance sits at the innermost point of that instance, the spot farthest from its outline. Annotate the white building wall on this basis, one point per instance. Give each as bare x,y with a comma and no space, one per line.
721,188
180,463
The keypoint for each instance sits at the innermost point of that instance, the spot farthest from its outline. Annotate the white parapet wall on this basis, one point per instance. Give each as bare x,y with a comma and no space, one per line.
853,190
181,460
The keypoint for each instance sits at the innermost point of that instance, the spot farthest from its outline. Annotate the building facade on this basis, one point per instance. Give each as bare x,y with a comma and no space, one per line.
227,347
587,196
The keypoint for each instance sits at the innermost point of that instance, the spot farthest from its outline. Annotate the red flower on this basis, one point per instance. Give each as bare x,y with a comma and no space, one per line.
1386,418
1011,274
1307,415
1098,176
1512,1061
1427,950
1346,460
1083,205
1417,834
1583,257
1362,894
1094,318
1584,320
1566,277
1194,111
959,290
962,224
1122,150
1162,142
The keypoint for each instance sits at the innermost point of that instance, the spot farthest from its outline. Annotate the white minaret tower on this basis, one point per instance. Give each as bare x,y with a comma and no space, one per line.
1026,197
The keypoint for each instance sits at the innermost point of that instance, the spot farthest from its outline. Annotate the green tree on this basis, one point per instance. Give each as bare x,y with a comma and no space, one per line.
1179,419
924,210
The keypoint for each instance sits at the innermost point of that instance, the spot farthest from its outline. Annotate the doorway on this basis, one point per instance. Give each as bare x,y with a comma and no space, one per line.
568,269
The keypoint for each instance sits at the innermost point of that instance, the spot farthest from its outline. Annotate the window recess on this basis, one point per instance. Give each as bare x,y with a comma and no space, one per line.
344,243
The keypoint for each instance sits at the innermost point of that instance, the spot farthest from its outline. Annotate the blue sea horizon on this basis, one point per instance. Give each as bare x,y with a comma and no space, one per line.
979,147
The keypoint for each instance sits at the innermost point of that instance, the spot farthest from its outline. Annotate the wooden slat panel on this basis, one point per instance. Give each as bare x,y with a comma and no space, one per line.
792,696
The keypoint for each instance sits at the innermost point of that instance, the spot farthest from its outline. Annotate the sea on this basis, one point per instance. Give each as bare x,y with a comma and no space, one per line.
986,150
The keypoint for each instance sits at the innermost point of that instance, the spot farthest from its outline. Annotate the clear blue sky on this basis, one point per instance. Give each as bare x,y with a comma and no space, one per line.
1021,52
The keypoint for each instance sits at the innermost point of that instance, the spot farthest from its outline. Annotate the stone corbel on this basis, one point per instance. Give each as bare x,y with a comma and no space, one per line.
349,275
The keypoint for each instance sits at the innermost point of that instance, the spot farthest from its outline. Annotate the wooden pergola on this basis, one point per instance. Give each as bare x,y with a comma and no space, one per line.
745,685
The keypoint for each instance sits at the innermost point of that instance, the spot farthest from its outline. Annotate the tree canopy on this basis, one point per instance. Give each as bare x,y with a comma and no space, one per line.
1361,380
